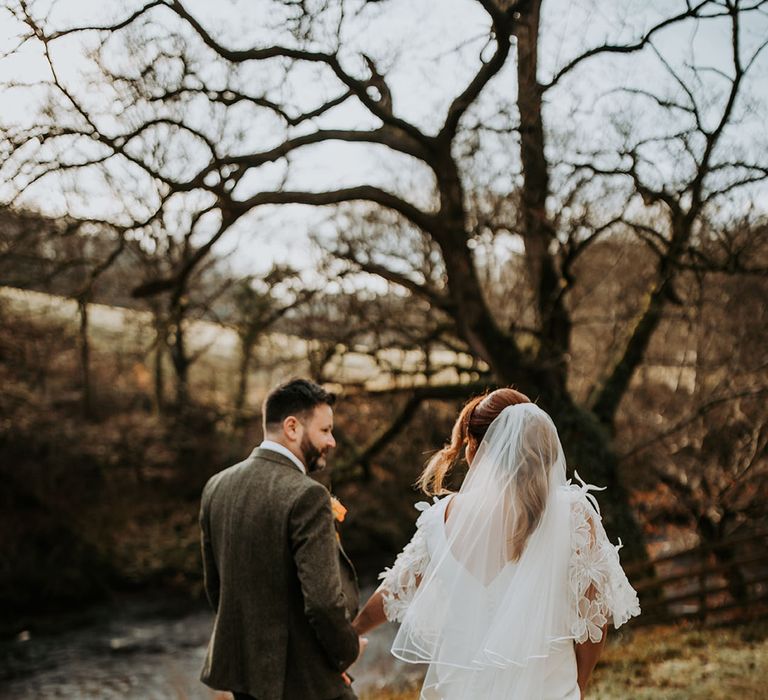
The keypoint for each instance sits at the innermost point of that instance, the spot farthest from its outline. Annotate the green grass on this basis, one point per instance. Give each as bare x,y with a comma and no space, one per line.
673,663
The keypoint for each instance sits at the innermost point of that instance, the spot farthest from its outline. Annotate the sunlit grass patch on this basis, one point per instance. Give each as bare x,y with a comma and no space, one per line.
672,663
685,663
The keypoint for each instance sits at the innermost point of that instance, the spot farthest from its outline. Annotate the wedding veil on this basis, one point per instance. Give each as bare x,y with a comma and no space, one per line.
494,595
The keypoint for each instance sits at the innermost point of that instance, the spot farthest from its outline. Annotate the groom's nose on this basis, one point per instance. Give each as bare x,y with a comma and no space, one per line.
331,441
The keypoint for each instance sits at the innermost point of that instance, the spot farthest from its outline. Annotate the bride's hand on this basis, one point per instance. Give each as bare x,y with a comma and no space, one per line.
363,643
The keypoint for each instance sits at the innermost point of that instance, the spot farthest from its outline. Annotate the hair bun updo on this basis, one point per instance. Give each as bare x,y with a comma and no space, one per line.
468,431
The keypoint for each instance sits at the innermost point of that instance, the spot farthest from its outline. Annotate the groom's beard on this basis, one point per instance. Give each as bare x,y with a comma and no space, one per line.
314,457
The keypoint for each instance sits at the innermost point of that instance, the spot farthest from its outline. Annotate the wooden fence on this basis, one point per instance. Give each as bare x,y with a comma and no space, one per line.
714,583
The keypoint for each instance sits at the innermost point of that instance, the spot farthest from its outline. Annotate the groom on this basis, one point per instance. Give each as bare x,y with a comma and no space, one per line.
274,572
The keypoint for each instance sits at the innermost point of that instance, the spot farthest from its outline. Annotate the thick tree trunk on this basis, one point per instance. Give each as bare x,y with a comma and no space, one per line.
587,444
538,232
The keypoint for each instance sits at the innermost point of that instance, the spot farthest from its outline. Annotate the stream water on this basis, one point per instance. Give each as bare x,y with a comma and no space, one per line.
142,651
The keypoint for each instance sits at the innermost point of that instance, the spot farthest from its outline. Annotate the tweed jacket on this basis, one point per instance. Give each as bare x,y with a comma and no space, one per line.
276,578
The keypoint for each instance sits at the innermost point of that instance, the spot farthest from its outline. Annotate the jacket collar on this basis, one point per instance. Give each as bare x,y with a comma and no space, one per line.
283,450
272,456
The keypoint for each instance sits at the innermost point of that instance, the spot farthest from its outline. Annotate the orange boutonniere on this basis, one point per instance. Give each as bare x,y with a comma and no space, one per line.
339,511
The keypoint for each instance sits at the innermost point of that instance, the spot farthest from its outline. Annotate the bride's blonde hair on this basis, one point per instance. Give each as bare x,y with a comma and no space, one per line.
538,448
468,431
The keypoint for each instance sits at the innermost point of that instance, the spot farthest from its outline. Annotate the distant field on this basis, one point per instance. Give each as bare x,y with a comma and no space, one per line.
131,330
278,355
672,663
119,330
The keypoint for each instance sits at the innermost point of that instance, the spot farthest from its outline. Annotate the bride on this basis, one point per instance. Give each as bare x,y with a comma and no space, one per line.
507,587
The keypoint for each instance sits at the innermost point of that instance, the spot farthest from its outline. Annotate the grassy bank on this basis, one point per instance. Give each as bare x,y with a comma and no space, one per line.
673,663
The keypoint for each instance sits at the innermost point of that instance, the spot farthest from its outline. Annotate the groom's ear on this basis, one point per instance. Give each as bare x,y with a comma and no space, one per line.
292,428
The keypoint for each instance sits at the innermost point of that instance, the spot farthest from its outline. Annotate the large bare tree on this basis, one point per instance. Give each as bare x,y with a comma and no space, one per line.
208,118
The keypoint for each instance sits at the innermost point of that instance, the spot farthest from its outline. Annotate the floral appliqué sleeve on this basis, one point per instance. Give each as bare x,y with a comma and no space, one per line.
598,587
400,581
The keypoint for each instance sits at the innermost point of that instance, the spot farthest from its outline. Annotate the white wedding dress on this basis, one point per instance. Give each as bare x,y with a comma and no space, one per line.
500,629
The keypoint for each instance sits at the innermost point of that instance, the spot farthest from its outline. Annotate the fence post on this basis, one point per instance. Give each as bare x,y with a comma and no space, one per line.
702,579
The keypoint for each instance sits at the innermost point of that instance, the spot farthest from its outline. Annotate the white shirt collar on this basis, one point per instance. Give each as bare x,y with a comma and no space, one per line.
283,450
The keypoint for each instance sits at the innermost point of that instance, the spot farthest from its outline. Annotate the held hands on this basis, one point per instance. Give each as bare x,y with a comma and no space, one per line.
363,641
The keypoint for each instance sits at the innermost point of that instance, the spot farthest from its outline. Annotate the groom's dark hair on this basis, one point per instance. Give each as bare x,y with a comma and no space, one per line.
297,397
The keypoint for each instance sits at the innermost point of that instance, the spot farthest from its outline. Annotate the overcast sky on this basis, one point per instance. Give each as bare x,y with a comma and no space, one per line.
430,50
